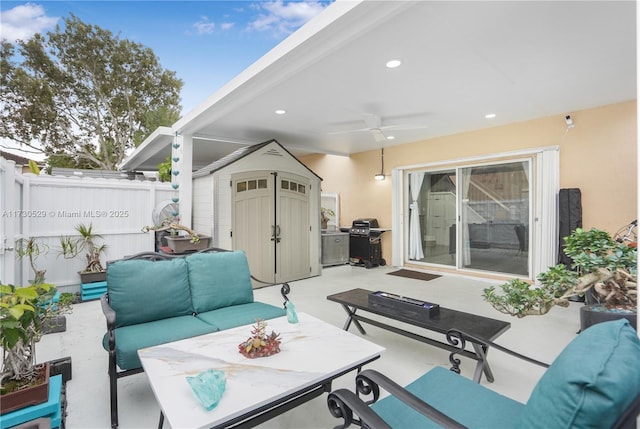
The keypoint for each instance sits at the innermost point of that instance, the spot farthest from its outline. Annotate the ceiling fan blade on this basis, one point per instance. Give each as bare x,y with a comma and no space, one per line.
372,121
406,127
348,131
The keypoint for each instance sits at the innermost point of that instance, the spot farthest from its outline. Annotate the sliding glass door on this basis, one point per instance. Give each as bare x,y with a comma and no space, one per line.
433,221
473,217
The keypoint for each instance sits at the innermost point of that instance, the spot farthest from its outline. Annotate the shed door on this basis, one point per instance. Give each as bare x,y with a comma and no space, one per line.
271,224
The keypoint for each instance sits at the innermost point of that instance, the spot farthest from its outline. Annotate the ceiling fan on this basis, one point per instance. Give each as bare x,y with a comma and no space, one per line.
374,126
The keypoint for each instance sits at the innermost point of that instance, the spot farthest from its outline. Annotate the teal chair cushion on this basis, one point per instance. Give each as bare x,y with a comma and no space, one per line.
591,382
242,314
133,284
219,280
129,339
469,403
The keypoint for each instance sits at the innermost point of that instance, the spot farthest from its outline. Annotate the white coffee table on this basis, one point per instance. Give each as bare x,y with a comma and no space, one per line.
313,353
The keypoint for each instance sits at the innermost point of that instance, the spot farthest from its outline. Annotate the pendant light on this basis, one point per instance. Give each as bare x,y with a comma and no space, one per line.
380,176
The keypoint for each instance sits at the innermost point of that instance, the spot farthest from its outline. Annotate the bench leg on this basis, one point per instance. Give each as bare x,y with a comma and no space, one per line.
483,365
351,312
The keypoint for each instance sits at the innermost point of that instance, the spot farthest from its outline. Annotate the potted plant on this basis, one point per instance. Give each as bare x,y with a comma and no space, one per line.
87,243
23,313
605,271
32,248
179,243
325,216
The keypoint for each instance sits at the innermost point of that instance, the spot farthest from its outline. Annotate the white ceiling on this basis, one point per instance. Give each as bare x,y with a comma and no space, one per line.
460,60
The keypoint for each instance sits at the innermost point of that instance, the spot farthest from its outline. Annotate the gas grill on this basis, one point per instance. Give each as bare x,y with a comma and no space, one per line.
365,243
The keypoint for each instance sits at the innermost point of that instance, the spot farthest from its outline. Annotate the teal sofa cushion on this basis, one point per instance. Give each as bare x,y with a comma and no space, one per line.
129,339
456,396
591,382
219,280
134,284
242,314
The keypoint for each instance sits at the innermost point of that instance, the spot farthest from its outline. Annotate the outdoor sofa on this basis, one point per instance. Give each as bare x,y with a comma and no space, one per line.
154,299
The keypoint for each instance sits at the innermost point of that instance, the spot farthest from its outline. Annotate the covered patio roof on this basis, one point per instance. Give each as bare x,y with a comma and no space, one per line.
460,62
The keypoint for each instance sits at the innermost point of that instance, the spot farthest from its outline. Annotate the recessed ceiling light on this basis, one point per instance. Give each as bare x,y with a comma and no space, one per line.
280,112
392,64
391,137
490,115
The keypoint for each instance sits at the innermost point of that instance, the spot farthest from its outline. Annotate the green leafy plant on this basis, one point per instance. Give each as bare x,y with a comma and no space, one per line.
164,170
325,216
602,265
87,243
23,312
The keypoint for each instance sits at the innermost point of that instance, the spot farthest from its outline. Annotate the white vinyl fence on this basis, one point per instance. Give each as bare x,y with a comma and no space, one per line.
48,207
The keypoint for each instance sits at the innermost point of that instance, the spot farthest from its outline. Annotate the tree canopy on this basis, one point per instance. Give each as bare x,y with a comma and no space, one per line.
83,95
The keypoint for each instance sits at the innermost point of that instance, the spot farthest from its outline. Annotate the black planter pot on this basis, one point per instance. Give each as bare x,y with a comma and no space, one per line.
62,367
597,313
54,325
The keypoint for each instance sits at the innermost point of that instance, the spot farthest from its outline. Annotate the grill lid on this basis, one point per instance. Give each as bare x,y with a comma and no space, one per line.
365,223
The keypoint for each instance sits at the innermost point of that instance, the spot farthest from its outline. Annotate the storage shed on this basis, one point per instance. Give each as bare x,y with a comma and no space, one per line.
263,200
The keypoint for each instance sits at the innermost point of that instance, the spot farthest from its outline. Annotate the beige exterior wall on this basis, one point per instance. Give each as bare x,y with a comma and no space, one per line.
598,155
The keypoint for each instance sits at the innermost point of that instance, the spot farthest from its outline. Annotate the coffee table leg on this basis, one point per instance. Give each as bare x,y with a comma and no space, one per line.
350,313
161,421
483,364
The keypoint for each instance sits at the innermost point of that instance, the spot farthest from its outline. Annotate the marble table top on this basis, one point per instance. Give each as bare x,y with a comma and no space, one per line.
311,351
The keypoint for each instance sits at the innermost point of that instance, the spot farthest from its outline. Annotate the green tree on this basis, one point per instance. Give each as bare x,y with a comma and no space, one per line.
84,96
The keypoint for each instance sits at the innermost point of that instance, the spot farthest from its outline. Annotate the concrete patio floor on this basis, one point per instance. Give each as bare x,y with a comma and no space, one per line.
404,359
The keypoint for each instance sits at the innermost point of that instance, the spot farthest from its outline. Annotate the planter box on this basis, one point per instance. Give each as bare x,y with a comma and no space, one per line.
181,244
99,276
51,409
30,396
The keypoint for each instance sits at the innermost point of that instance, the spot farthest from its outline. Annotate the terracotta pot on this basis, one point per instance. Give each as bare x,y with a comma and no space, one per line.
33,395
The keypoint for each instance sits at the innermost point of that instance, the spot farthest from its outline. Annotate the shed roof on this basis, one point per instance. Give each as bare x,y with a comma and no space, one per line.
240,154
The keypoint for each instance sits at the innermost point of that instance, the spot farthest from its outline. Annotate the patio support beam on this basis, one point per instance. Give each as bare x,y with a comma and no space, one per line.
185,166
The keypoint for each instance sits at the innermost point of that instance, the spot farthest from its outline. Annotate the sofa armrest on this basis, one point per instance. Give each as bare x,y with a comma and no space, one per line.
109,313
344,404
459,339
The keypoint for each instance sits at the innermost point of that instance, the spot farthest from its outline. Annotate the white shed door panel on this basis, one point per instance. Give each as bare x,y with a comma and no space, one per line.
253,218
292,208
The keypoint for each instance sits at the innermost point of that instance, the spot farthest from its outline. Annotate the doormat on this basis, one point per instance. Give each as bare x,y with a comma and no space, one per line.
414,275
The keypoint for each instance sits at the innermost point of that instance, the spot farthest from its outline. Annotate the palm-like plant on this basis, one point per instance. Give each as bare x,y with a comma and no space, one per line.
73,246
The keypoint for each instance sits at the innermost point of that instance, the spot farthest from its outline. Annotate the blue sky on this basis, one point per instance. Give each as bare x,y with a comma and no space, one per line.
206,43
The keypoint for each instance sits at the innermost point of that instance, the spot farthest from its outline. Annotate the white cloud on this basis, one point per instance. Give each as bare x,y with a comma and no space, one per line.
226,25
22,22
204,26
284,18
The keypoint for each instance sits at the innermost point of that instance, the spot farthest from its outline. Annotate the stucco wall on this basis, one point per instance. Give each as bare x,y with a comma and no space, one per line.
598,155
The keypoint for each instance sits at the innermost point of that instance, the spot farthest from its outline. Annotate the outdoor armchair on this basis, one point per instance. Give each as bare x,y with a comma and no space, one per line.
593,383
